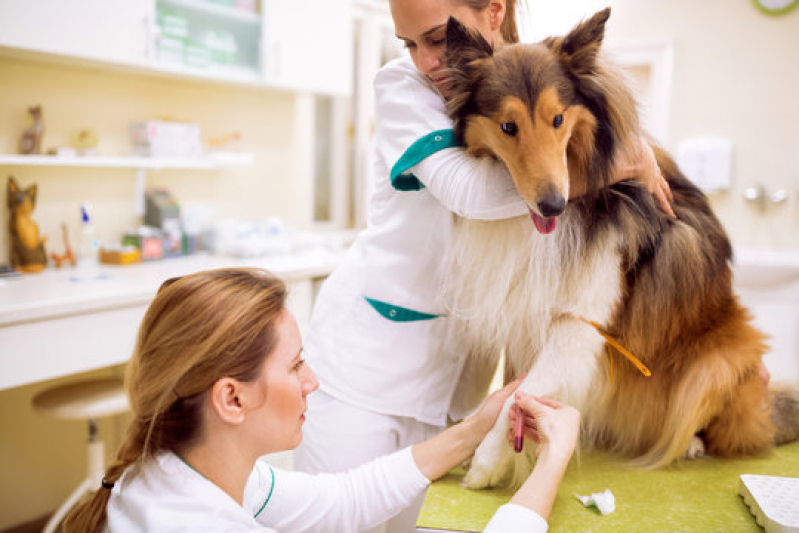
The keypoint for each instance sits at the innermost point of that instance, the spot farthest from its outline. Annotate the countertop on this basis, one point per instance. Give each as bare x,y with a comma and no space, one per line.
70,291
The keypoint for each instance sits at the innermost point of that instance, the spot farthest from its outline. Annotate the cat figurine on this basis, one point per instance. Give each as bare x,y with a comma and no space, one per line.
30,143
27,248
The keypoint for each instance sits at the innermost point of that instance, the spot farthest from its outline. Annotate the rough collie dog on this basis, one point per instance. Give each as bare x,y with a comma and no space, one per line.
550,288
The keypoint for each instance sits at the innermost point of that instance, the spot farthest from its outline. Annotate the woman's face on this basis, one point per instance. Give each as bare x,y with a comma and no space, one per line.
422,26
285,381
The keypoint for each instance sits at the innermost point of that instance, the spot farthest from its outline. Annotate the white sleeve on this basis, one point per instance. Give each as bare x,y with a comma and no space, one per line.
471,187
512,518
350,501
408,109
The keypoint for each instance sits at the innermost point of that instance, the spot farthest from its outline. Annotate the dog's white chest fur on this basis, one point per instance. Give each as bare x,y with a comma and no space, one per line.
509,287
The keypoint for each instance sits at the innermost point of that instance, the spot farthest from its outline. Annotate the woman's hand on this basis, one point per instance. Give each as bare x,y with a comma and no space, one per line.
552,425
555,427
639,162
438,455
484,419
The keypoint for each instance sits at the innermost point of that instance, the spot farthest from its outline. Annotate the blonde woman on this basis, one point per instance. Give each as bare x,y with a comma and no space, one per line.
217,380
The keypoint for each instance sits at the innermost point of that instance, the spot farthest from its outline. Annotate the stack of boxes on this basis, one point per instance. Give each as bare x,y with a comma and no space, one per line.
193,47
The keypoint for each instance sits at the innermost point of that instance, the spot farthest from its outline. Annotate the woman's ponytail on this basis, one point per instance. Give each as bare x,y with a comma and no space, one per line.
89,516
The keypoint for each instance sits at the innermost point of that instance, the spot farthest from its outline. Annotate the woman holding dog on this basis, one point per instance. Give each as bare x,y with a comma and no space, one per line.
376,336
217,380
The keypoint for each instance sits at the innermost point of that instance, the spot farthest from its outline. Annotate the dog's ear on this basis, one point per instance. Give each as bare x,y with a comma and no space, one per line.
579,49
466,51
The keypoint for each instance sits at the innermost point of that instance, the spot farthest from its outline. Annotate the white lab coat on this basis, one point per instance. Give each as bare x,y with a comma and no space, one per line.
164,494
376,335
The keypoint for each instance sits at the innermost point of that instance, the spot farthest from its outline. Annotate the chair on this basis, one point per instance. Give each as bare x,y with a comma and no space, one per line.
87,400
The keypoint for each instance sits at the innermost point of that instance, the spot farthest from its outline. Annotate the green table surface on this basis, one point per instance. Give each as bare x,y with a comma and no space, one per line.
691,496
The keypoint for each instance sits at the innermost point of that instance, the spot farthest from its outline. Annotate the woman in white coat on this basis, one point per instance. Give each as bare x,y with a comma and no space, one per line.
375,338
217,380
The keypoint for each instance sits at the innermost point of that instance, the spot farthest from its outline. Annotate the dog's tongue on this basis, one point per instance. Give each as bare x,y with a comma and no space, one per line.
544,225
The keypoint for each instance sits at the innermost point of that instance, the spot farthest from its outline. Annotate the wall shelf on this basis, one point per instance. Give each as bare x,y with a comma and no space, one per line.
209,162
140,164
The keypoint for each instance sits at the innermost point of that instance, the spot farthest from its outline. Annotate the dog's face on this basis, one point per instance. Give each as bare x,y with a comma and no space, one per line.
521,105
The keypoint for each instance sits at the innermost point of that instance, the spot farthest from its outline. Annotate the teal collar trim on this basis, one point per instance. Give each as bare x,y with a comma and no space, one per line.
396,313
269,496
419,150
187,464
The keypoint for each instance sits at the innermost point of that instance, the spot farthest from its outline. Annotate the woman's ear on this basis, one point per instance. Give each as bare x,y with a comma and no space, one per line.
227,401
496,13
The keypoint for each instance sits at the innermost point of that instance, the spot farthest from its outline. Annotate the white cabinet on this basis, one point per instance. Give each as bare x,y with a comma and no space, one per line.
307,45
108,30
295,45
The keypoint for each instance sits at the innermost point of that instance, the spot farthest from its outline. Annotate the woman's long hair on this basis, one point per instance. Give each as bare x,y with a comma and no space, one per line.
198,329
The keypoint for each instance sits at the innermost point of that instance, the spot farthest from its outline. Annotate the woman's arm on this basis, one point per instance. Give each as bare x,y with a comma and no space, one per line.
554,427
440,454
408,109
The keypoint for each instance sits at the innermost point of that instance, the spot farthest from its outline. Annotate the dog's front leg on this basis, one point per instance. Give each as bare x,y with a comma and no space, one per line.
565,371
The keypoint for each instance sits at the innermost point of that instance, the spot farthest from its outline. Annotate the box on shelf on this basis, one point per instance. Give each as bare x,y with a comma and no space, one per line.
196,54
170,50
155,138
120,255
149,241
173,24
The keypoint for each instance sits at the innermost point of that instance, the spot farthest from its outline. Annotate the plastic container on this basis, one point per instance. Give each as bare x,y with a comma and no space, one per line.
88,244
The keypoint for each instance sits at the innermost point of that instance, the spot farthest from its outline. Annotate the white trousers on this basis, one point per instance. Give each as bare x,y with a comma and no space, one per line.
338,436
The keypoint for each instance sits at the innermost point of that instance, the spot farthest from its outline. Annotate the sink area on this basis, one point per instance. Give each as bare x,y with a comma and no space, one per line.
765,270
767,282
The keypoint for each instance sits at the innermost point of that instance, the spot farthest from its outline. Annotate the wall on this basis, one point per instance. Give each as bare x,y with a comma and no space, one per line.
735,75
274,127
42,459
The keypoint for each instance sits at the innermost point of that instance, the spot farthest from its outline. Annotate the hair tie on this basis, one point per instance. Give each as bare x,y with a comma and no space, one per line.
106,484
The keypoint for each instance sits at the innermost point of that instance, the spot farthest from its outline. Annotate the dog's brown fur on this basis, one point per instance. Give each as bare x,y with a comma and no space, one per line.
678,312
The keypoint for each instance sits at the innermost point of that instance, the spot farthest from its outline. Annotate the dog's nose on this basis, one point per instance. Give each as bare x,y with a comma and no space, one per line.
552,205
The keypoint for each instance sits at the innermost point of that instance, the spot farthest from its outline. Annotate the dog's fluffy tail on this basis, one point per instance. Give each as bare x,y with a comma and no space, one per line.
785,414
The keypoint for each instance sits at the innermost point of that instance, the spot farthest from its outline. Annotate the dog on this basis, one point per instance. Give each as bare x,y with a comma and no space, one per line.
551,289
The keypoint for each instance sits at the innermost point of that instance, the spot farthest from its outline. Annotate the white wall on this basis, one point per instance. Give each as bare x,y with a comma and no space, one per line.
736,73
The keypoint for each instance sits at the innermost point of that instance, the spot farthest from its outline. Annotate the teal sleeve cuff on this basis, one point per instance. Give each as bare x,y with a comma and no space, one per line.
396,313
419,150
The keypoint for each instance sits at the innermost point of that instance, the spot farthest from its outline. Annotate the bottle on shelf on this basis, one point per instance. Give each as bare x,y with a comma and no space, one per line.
88,244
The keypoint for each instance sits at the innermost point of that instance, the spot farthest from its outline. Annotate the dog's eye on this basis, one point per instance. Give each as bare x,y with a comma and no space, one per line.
509,128
557,121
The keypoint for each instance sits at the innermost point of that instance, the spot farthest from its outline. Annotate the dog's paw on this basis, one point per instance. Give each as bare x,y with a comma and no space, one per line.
696,449
489,464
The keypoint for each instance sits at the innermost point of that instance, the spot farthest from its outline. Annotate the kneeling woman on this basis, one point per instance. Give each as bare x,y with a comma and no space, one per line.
217,380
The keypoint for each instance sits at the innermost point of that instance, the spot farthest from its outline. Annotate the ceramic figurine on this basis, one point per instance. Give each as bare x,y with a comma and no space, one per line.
67,256
30,142
27,248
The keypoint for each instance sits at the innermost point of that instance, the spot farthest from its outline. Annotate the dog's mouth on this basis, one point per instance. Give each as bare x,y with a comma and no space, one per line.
544,225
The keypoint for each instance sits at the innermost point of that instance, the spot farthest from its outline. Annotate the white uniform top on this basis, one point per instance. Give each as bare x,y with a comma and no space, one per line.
165,494
374,338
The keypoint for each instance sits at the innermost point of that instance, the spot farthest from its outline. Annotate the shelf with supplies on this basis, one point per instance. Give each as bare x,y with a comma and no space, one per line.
212,161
